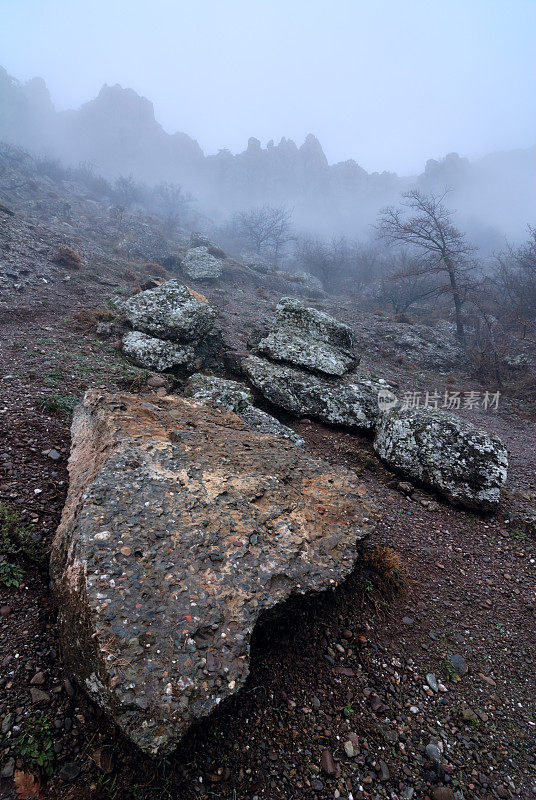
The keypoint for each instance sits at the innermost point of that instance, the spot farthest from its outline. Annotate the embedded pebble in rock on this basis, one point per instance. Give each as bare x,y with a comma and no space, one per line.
182,526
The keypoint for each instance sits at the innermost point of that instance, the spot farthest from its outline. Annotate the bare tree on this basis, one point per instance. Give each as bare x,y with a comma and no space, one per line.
172,203
266,229
424,224
127,190
403,286
516,279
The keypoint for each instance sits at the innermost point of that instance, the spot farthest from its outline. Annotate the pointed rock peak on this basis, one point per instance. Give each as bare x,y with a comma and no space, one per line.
254,145
125,103
287,146
312,150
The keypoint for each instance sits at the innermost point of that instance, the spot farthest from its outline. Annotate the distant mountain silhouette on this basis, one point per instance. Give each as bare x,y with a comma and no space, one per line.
118,133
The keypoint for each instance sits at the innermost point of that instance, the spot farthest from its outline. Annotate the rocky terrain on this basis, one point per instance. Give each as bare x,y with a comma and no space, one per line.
413,678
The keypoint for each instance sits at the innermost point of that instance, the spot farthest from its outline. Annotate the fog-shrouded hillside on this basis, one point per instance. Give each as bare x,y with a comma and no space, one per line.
118,134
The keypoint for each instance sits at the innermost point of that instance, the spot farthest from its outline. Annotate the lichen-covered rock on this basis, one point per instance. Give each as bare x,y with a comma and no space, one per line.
309,338
199,264
156,354
351,401
467,465
170,311
234,396
181,528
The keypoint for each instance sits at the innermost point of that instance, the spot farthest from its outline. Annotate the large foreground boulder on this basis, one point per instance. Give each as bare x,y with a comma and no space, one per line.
309,338
351,402
466,465
182,527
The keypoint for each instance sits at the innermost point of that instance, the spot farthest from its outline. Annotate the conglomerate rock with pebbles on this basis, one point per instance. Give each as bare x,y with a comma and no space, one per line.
181,528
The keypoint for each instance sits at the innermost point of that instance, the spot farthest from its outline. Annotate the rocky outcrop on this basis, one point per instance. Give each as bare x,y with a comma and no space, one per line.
234,396
466,465
309,338
171,311
174,328
149,352
351,402
182,527
198,264
306,367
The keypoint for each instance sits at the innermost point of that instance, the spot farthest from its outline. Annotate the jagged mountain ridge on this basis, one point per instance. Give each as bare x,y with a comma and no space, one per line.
118,133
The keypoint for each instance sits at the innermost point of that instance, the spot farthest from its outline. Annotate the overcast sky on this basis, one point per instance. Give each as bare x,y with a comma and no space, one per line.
389,83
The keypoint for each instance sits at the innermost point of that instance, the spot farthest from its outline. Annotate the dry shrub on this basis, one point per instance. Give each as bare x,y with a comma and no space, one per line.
388,566
156,269
217,252
67,257
406,318
129,276
197,295
84,321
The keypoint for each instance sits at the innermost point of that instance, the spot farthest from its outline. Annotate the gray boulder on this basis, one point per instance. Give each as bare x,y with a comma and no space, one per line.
466,465
156,354
170,311
351,401
181,529
309,338
234,396
199,264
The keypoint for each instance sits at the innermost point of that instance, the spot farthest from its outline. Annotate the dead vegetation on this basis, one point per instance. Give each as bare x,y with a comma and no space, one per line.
67,257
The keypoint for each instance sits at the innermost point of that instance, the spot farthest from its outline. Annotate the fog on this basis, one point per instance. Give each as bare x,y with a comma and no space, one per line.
387,89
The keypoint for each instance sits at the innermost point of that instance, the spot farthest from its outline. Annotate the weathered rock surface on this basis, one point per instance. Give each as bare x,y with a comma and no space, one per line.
181,527
309,338
351,401
157,354
170,311
234,396
199,264
467,465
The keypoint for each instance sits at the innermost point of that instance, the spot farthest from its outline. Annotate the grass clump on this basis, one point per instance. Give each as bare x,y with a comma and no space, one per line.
35,746
17,539
58,404
67,257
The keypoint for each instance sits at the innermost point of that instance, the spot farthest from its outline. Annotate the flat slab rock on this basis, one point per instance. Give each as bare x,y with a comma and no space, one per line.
183,526
308,338
351,401
465,464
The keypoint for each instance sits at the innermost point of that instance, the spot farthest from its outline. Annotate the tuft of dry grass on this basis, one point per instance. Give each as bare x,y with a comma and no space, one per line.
67,257
388,566
157,270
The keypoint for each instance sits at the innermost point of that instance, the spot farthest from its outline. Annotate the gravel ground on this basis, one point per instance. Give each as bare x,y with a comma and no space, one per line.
372,691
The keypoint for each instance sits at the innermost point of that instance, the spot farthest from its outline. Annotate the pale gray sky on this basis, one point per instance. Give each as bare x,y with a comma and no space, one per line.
389,83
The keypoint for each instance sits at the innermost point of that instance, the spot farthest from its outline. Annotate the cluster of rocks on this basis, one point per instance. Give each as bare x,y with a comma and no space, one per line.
307,366
173,328
181,528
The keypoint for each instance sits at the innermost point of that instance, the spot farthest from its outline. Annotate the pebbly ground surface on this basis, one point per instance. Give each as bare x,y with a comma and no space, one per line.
338,702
